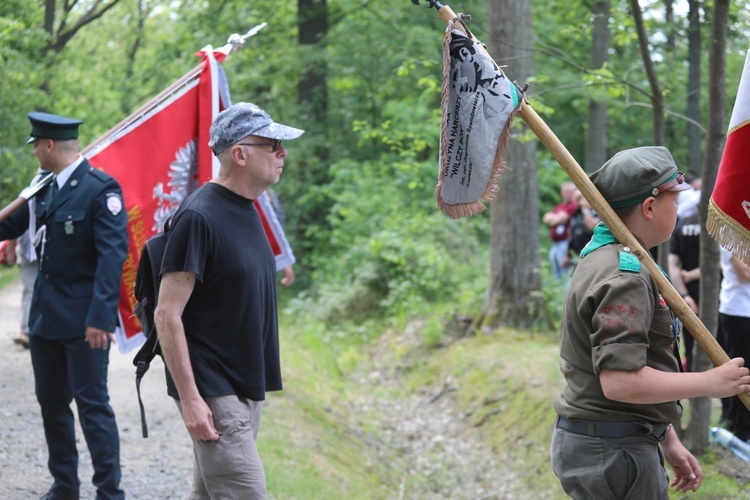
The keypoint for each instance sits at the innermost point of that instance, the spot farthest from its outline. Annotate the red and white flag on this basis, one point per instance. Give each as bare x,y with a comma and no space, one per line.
728,219
159,158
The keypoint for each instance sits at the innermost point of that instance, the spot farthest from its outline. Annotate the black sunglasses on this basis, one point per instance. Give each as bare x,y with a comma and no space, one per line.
274,145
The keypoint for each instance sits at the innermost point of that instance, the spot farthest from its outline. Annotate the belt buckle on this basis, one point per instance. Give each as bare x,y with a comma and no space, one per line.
652,430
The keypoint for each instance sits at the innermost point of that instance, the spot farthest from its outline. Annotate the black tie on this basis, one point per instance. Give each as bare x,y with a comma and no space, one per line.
54,187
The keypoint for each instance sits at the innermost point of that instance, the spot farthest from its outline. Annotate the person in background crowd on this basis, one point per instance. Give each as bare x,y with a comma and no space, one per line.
582,224
22,252
80,230
558,220
288,271
684,254
734,334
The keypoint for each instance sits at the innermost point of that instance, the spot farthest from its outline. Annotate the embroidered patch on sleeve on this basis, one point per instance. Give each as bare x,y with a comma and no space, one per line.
114,203
618,317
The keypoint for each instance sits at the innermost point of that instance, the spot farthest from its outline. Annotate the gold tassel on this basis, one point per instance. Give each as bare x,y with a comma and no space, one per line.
729,233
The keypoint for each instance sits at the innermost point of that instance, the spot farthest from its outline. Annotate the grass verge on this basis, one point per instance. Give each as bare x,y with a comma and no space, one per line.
506,382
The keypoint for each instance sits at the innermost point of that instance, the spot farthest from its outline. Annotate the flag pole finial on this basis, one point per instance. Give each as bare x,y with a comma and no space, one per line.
430,3
238,41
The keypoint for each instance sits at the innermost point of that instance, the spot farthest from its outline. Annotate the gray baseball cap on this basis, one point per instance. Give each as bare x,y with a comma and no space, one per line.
632,175
243,119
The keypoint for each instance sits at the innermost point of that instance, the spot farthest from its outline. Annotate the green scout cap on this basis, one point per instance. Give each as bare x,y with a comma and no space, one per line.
47,126
632,175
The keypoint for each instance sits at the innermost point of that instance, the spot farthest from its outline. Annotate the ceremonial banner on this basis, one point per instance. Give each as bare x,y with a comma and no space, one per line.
159,159
275,232
478,106
728,219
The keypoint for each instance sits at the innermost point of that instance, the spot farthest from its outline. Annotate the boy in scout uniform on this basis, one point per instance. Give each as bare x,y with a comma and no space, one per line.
79,229
619,350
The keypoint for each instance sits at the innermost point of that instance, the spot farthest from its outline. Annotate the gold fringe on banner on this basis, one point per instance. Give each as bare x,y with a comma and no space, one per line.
729,233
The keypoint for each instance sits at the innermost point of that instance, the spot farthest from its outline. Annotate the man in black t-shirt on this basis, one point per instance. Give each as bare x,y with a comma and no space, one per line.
684,251
217,313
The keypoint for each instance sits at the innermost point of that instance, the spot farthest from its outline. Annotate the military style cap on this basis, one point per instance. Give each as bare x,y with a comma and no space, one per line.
243,119
632,175
47,126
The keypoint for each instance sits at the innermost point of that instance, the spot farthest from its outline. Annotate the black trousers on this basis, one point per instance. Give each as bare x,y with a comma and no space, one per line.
67,369
734,336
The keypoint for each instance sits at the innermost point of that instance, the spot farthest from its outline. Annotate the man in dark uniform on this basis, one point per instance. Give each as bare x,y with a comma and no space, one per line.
619,350
79,229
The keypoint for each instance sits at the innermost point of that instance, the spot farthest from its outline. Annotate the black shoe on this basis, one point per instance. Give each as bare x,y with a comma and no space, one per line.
22,340
54,495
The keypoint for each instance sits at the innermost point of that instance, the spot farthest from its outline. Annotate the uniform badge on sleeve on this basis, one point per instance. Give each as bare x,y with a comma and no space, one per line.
114,203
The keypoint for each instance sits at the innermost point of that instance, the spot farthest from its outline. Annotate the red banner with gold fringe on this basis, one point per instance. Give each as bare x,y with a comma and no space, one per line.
729,207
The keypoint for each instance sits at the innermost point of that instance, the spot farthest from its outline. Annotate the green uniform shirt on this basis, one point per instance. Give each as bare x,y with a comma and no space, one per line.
614,318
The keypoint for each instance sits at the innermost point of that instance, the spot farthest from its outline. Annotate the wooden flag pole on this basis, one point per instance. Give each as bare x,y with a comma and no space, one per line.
143,110
25,196
234,43
21,200
700,333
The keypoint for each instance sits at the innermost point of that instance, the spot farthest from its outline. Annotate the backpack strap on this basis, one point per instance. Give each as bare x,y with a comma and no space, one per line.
153,251
142,364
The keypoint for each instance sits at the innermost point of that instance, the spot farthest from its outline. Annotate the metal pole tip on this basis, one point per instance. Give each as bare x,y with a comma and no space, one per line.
430,3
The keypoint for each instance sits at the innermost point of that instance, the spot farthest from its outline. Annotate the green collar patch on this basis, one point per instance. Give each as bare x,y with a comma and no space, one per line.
603,237
629,262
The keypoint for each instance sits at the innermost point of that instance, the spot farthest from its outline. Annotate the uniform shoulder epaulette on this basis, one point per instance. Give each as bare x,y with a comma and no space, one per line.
629,262
100,174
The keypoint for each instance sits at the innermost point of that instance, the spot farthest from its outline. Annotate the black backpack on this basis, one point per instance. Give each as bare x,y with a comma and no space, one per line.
146,292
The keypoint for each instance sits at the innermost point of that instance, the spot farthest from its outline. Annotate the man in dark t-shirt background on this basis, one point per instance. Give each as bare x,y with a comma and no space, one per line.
217,315
684,255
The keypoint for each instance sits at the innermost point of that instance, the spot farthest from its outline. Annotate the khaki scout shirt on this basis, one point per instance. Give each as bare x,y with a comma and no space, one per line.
614,318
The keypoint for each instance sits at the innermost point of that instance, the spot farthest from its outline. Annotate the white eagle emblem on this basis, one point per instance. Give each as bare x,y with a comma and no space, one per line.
183,173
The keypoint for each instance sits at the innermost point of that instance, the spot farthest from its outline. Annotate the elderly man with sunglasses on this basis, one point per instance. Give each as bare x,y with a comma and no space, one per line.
217,314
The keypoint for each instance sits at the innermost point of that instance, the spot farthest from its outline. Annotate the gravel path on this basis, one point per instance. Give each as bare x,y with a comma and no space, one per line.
423,434
157,467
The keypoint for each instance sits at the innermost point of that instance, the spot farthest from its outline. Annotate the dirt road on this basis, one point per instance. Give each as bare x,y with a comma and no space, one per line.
157,467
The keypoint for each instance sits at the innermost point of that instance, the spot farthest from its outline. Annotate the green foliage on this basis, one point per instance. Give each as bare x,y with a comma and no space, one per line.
358,187
432,333
8,274
388,250
20,39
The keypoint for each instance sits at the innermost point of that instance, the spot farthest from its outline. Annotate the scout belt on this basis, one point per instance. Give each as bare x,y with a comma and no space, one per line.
613,429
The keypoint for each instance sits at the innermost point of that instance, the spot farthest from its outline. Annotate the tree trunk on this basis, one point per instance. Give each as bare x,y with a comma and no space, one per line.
65,31
312,96
657,99
126,104
700,408
670,131
312,88
709,251
513,297
657,102
596,137
695,137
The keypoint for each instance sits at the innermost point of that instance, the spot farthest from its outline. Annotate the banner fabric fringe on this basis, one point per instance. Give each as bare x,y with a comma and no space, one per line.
729,233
